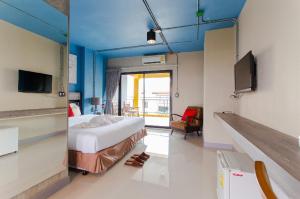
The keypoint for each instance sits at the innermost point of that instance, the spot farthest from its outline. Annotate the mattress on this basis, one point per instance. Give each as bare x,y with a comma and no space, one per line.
92,140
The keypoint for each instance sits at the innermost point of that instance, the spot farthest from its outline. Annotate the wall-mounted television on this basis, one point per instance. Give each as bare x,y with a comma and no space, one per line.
245,74
31,82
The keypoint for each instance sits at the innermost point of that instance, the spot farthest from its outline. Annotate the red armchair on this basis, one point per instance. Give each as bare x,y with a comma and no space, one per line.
191,121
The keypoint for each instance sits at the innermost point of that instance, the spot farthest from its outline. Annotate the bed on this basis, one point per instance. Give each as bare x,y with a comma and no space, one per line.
97,142
95,149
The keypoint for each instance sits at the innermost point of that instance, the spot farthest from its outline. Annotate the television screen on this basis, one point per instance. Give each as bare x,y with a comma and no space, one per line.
31,82
245,74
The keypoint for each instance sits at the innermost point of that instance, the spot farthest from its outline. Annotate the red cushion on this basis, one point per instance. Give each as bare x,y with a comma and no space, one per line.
70,112
189,112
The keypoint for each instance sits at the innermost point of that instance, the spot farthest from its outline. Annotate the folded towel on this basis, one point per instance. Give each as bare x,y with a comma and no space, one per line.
98,121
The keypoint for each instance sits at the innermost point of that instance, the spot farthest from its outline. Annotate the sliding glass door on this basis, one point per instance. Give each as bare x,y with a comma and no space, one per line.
157,99
148,95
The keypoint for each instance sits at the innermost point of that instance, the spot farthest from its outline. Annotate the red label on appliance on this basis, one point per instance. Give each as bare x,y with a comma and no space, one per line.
237,174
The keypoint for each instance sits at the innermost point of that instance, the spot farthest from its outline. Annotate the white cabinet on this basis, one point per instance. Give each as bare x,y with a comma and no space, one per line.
8,140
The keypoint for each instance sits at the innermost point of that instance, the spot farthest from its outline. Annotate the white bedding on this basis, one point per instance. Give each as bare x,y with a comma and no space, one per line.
92,140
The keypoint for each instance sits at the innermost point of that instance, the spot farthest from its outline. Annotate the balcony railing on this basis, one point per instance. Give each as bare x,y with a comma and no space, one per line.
148,107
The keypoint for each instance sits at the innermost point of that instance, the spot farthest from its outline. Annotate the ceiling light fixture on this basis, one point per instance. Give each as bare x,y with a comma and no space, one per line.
151,37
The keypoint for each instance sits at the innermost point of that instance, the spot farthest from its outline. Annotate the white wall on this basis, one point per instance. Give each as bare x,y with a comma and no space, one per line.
21,49
219,59
190,76
271,29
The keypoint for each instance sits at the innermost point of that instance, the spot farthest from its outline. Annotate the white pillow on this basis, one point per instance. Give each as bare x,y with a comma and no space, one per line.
75,109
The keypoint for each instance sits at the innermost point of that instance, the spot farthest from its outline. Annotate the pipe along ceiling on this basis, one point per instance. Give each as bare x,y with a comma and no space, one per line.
200,20
119,28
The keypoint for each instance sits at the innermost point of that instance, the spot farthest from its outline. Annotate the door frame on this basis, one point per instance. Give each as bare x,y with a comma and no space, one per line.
144,73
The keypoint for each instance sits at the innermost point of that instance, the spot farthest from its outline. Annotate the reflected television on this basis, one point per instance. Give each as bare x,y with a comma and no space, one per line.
32,82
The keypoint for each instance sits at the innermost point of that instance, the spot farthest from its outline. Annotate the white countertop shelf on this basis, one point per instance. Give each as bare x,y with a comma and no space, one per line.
19,114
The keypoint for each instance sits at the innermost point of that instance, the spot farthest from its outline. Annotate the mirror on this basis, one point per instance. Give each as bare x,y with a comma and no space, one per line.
33,123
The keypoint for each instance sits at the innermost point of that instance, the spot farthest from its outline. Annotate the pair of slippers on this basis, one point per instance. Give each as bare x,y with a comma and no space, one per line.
137,160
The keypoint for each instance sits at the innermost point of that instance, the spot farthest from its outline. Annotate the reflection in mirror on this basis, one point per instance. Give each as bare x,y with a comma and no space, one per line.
33,86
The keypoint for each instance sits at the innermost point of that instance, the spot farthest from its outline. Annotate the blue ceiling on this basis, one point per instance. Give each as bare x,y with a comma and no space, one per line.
102,25
36,16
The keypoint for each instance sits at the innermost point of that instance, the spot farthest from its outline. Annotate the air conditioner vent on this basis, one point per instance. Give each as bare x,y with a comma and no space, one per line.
154,59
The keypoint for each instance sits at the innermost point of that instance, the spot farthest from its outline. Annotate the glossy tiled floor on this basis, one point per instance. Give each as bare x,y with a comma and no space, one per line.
31,165
157,121
177,169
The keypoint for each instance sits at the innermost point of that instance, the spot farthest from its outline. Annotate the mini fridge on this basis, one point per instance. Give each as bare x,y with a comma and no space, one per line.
236,176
